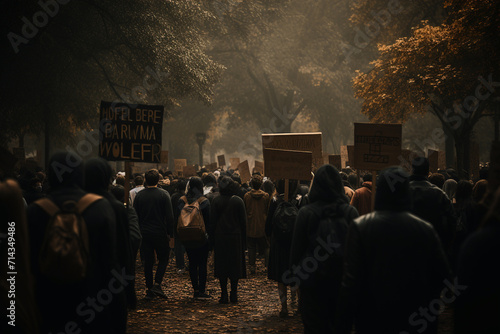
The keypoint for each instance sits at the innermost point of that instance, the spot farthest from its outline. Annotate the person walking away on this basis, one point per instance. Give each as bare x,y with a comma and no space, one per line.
197,251
319,236
156,220
431,204
229,241
362,198
280,225
256,204
395,267
179,249
478,305
59,296
139,185
98,178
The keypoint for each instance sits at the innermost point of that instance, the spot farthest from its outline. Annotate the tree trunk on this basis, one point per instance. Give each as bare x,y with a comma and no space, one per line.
449,147
462,146
47,139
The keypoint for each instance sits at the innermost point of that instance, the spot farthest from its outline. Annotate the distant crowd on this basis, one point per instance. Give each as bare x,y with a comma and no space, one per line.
385,262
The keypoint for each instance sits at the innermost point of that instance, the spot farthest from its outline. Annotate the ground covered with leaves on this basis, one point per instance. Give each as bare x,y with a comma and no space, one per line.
256,311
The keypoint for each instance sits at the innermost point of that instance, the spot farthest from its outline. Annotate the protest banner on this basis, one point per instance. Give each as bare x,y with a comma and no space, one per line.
259,167
130,133
344,156
350,155
188,171
335,160
244,171
376,146
179,164
221,159
286,164
307,142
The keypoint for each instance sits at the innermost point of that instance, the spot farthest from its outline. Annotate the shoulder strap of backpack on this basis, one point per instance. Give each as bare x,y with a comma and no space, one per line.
85,201
184,199
201,199
48,206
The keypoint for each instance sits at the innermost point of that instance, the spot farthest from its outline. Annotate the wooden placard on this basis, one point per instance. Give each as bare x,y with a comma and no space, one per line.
234,162
433,157
376,146
442,159
306,142
335,160
221,159
211,167
286,164
179,164
130,133
350,155
164,157
188,171
259,167
344,155
244,170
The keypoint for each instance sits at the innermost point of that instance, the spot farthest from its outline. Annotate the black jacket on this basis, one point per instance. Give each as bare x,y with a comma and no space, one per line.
432,205
394,264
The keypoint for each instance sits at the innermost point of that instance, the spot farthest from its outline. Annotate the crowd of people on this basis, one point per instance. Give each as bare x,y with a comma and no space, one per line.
383,262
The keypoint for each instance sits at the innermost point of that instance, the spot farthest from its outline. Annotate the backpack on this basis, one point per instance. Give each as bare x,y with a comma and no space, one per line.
329,236
190,226
64,256
284,221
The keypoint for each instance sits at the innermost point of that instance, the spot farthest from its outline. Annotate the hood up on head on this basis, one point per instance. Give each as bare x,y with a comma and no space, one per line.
327,186
98,176
393,190
65,170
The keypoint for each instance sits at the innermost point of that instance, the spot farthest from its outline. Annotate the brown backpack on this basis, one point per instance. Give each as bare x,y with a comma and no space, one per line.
64,256
190,226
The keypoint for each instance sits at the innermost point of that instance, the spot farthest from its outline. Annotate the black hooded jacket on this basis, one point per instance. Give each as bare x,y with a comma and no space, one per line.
394,264
59,304
98,177
327,191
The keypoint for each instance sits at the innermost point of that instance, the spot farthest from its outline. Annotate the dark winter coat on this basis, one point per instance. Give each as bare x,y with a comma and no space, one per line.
394,265
256,204
229,221
58,304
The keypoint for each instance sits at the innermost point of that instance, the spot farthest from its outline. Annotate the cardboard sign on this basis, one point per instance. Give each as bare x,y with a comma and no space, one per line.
259,167
335,160
221,159
130,133
377,146
188,171
437,160
179,164
344,156
164,157
350,155
308,142
244,170
211,167
442,159
235,162
286,164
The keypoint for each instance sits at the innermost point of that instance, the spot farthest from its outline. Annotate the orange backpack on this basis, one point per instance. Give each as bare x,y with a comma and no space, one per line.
190,226
64,255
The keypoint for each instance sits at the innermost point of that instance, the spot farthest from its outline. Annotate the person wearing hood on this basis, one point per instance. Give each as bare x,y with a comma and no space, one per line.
362,197
256,204
228,223
98,179
60,304
197,252
450,187
319,293
395,267
431,203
